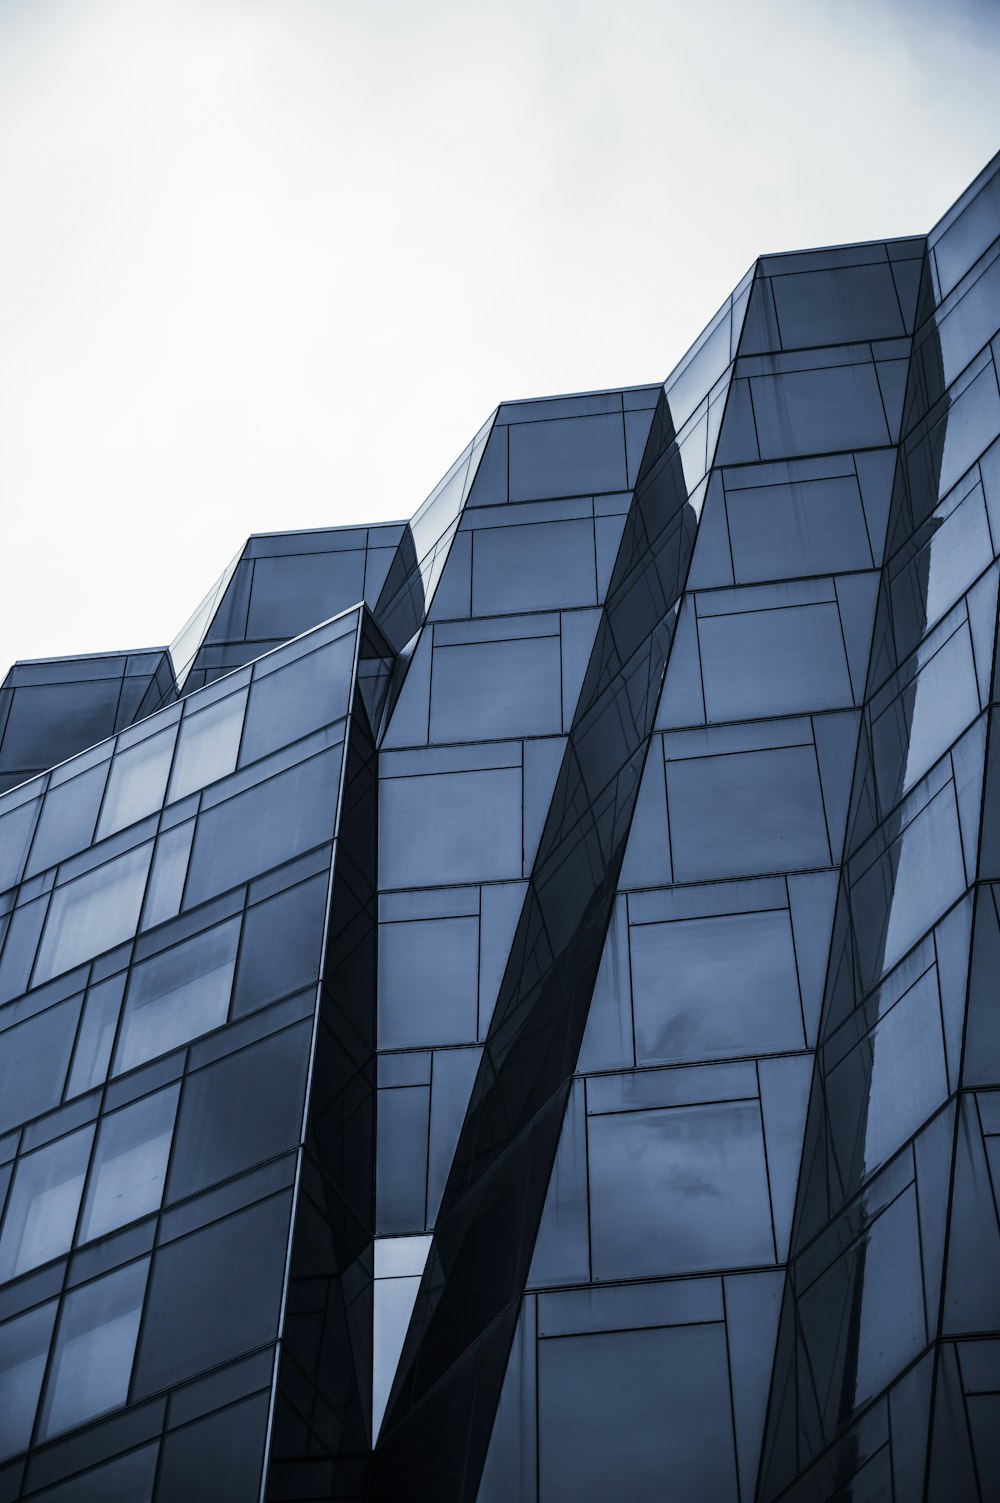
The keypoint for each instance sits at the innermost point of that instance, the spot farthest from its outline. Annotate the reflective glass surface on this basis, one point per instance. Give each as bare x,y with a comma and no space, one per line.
504,1008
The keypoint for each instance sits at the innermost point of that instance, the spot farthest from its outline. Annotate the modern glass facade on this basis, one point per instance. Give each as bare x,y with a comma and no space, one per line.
506,1008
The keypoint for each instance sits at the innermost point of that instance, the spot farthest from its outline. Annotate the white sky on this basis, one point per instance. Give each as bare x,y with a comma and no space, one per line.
268,264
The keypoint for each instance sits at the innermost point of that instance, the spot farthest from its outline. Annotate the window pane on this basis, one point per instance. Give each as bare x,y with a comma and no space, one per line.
240,1111
679,1190
175,996
294,700
95,1343
33,1063
282,944
24,1346
533,568
66,823
428,982
137,782
264,827
636,1414
130,1164
712,988
94,913
97,1035
483,690
199,1314
44,1202
450,827
747,813
208,745
166,881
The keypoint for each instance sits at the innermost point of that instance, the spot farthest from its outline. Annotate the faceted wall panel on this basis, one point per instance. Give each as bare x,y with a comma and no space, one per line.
505,1009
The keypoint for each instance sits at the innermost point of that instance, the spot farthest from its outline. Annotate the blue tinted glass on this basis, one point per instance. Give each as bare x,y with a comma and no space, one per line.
427,982
495,689
713,988
137,783
92,1356
624,1415
402,1158
282,945
239,1112
24,1348
773,662
197,1313
263,827
130,1164
33,1063
819,411
290,595
541,567
43,1205
567,457
92,1055
208,744
839,306
177,995
297,698
790,530
454,827
93,913
66,823
736,815
710,1206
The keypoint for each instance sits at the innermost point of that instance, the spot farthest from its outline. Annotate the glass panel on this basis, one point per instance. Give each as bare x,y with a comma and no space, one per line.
794,530
94,913
450,827
298,698
137,783
240,1111
741,815
166,880
839,306
265,827
292,594
714,988
403,1121
15,830
679,1190
198,1313
127,1479
209,742
282,945
427,982
130,1164
773,662
33,1061
636,1414
97,1035
486,690
92,1360
24,1347
23,932
217,1459
66,823
567,457
819,411
44,1202
533,568
177,995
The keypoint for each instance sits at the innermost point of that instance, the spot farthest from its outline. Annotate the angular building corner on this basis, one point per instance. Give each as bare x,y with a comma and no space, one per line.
505,1007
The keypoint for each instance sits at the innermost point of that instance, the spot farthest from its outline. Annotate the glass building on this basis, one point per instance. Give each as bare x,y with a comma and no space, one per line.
506,1006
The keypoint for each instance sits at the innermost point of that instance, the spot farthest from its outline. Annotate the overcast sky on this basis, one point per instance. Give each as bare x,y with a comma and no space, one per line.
268,264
